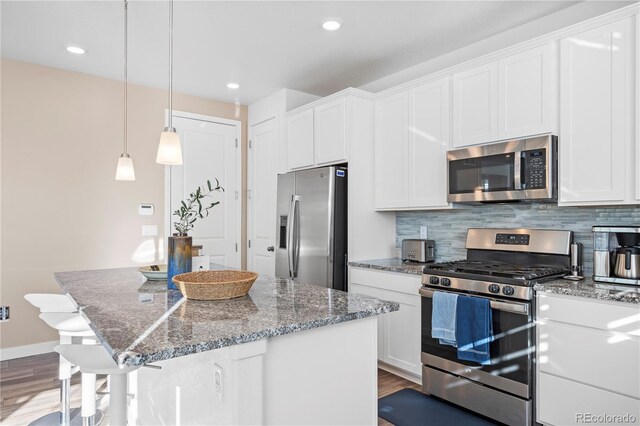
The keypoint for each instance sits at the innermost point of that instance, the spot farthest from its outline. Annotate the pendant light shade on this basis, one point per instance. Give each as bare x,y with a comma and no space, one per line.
169,151
125,168
125,171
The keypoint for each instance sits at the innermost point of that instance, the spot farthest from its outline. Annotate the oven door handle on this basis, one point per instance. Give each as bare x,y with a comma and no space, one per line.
500,305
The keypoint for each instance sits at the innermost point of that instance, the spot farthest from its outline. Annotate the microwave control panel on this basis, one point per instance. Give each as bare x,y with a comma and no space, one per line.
535,164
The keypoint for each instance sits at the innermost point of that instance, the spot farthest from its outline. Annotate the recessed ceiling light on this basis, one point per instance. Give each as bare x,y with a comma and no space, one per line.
331,25
75,50
233,85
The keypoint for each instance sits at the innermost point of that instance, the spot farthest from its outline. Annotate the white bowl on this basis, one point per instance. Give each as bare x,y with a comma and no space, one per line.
154,275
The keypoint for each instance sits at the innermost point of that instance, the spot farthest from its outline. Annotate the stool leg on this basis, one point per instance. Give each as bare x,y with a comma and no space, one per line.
88,399
64,374
118,400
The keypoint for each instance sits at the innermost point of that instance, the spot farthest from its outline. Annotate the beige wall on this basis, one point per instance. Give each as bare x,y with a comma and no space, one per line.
61,206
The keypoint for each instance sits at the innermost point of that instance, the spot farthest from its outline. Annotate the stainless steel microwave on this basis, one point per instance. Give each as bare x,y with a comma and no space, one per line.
517,170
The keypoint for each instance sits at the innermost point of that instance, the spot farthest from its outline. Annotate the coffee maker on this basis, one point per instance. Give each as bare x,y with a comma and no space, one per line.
616,254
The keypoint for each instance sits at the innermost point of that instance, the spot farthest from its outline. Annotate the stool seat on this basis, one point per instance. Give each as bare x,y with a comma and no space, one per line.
67,322
51,302
93,359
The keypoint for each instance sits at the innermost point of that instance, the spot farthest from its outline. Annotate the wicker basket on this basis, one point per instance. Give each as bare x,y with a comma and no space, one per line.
215,285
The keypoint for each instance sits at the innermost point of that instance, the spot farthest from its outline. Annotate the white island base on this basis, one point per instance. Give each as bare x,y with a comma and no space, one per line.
325,375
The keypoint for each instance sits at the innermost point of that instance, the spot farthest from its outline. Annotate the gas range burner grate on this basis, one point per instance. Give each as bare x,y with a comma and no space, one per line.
494,269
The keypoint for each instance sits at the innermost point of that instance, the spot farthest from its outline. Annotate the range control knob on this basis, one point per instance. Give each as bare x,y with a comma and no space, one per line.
507,290
445,282
494,288
434,280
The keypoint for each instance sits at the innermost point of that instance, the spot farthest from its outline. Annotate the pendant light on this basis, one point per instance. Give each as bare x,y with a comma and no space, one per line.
169,151
125,164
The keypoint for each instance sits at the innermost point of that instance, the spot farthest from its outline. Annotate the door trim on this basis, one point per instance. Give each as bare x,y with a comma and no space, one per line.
239,178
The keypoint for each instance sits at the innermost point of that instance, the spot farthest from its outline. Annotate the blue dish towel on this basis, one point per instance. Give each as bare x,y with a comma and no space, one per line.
474,329
443,317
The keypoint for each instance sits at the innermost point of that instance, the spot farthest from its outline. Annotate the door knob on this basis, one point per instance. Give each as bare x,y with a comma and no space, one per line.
271,248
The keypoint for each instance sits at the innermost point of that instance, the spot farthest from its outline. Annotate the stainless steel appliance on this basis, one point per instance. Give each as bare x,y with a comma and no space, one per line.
518,170
422,251
501,265
576,263
616,254
311,229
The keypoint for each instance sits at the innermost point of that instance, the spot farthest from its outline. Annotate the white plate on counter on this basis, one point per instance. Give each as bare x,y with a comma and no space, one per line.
152,275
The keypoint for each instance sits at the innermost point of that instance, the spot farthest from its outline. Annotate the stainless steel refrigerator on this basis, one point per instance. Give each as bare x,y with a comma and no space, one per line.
311,234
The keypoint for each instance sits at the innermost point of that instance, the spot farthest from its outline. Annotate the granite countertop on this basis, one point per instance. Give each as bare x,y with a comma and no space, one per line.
140,321
391,265
590,289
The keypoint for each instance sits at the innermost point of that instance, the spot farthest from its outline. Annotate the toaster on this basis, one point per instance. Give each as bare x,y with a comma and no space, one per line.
422,251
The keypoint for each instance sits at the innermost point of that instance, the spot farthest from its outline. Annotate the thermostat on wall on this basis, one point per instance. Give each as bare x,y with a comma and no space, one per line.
145,209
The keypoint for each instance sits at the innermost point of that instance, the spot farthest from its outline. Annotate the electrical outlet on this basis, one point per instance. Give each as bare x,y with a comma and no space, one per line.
149,230
423,232
4,313
218,380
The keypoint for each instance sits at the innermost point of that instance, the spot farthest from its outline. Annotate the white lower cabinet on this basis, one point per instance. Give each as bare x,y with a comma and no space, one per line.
398,332
588,361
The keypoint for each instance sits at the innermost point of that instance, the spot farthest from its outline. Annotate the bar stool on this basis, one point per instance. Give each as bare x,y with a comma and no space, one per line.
61,314
70,325
92,360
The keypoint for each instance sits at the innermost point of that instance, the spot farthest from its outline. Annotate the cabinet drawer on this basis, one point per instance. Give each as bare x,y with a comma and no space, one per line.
603,359
394,281
563,402
200,263
610,316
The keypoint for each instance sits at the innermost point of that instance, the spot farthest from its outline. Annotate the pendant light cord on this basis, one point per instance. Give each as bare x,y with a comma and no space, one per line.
126,26
170,64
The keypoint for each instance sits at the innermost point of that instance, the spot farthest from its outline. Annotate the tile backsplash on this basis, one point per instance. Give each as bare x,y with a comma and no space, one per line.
449,227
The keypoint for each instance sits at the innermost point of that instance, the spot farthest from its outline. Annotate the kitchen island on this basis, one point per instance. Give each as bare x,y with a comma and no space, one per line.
287,353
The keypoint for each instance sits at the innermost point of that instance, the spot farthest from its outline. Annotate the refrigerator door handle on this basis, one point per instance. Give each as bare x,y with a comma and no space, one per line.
296,215
291,229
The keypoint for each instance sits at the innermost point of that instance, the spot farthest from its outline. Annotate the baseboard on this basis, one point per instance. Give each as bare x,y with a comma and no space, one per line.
404,374
27,350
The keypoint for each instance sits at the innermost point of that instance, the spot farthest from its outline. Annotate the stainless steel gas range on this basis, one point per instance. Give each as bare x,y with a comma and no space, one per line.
501,265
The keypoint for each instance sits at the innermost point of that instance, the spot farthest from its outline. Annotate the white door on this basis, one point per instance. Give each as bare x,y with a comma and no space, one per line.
391,152
210,150
300,140
475,105
595,139
263,181
428,144
330,132
527,96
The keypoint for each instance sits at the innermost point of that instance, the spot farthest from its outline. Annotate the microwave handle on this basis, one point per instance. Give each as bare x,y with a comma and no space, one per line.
517,170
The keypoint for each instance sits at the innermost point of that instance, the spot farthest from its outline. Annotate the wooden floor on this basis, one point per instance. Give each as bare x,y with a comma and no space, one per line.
29,388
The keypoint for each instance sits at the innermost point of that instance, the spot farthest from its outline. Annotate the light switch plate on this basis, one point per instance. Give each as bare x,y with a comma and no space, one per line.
149,230
423,232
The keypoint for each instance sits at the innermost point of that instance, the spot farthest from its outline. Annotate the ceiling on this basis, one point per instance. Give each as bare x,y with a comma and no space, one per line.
263,46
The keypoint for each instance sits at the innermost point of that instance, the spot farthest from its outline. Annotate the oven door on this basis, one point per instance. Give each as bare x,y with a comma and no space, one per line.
512,351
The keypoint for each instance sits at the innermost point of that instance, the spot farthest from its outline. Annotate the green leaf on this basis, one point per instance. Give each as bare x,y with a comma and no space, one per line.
209,185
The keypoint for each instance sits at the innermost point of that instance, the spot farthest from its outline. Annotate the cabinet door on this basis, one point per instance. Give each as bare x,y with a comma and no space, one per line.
391,152
595,114
475,105
428,144
373,292
527,101
300,140
402,333
637,115
330,132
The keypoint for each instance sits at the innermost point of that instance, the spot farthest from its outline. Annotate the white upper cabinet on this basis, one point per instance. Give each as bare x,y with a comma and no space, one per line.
428,144
300,139
475,105
412,139
637,108
527,93
391,151
597,124
506,99
330,132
